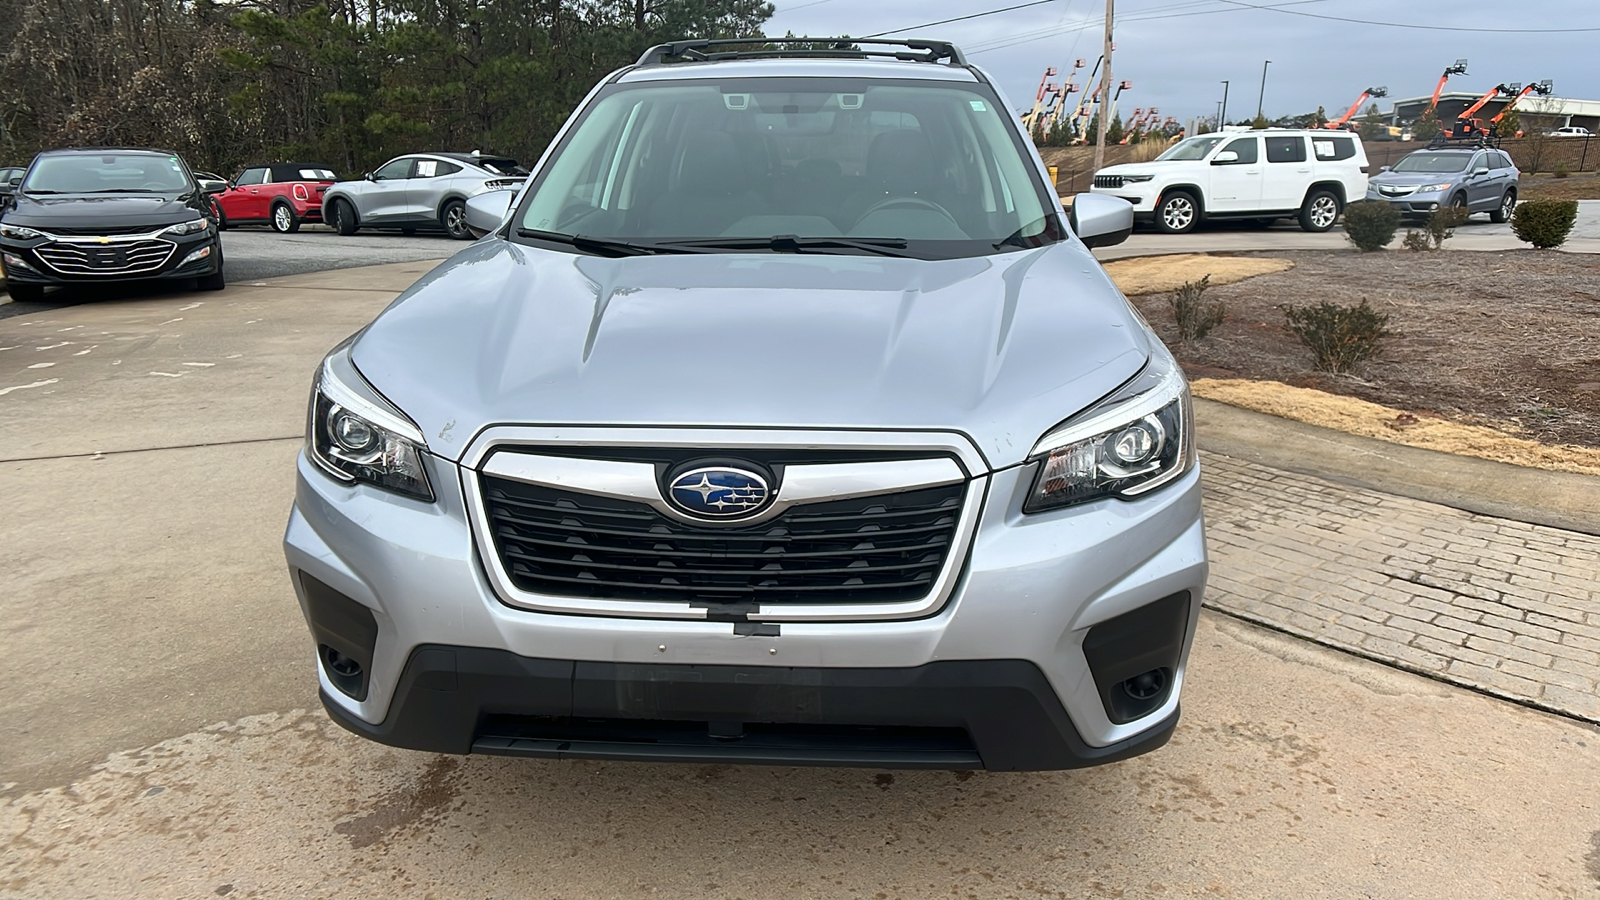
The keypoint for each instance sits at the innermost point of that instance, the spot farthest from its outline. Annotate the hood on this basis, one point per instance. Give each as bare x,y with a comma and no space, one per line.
999,348
99,210
1415,178
1144,167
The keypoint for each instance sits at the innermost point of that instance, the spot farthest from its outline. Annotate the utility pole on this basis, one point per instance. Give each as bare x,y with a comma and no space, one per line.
1105,94
1222,117
1263,93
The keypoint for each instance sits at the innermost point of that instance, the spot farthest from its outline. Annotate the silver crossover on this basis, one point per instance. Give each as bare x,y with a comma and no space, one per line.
780,418
423,190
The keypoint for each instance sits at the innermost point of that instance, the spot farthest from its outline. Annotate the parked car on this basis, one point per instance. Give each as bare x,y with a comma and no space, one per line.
91,216
282,195
782,419
8,175
420,190
1572,131
1471,180
1263,175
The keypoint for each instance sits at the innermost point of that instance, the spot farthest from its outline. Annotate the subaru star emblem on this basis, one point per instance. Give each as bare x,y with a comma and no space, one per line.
718,492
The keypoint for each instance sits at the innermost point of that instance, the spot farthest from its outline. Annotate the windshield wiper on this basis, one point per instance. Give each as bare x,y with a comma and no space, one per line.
124,191
1024,237
601,246
791,243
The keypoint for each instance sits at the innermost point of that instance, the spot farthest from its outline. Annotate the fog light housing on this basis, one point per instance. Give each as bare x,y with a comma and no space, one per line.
14,261
196,256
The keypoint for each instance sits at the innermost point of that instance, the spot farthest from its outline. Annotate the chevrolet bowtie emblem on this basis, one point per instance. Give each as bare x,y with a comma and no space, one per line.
104,240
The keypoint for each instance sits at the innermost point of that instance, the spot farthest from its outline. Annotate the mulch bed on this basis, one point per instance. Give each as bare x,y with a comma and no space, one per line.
1509,339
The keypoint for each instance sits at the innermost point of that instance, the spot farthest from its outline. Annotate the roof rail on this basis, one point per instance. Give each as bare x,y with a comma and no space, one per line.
768,48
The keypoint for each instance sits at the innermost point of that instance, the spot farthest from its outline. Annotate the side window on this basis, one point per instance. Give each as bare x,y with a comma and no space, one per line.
446,169
426,168
1333,148
252,176
1286,149
1504,160
1247,150
400,168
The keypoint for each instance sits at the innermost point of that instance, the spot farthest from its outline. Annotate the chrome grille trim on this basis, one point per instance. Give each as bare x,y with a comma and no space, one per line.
123,257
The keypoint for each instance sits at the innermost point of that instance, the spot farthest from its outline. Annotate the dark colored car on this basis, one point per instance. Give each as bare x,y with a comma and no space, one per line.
9,174
283,195
98,215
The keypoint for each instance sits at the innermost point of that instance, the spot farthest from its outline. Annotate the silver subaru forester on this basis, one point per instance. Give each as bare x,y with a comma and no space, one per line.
779,418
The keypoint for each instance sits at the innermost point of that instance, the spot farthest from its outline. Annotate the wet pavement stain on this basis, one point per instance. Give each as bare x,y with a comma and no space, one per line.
407,808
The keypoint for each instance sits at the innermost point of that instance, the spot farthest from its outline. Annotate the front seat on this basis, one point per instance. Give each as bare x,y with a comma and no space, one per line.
711,192
899,164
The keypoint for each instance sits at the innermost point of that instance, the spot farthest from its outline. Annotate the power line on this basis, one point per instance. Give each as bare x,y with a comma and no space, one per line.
960,18
1292,12
1004,42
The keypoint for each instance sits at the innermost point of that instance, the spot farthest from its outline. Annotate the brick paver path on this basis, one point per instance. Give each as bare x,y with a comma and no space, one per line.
1504,607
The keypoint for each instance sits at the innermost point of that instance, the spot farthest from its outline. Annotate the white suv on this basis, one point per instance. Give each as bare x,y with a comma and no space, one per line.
1263,175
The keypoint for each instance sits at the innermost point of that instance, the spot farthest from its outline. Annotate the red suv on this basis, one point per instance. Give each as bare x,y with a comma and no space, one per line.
283,195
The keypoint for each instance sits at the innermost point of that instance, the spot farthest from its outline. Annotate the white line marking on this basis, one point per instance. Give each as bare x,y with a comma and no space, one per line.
200,365
68,328
12,347
85,352
41,365
190,306
230,356
169,374
23,387
54,346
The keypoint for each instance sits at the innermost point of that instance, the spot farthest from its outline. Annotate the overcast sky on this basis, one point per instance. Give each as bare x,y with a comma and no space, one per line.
1180,52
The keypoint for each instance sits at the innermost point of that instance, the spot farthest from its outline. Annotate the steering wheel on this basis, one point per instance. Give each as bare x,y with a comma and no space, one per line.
908,203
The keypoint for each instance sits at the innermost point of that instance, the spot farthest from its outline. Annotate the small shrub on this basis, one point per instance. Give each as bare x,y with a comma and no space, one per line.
1370,224
1339,337
1544,223
1440,227
1562,171
1195,317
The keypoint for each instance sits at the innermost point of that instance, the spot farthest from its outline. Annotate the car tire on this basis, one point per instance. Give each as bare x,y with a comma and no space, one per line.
216,213
216,281
1320,211
1459,204
454,219
1502,213
283,220
25,293
343,217
1177,213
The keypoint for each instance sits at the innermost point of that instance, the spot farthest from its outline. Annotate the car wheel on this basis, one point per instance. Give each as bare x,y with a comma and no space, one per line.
216,213
1458,205
343,218
1508,205
284,221
215,281
454,220
1177,213
1320,211
25,293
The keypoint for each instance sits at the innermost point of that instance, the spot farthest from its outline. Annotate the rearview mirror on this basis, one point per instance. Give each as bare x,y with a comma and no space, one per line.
486,211
1225,157
1099,220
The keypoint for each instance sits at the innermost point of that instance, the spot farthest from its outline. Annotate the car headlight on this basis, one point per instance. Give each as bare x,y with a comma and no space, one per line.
193,226
1133,442
1135,179
1431,188
356,436
18,233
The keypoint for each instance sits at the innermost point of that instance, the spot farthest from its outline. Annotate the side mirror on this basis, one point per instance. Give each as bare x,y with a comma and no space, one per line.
1384,168
371,176
211,186
1481,170
486,211
1099,220
7,188
1225,157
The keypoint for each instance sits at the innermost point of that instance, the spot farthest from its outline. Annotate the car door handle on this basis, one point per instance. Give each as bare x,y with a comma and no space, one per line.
1252,171
1302,170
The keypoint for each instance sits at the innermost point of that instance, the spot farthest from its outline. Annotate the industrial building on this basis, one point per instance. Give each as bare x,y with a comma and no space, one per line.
1548,113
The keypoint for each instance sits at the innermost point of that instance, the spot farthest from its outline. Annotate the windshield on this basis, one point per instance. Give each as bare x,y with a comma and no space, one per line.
933,168
1194,148
1433,162
84,173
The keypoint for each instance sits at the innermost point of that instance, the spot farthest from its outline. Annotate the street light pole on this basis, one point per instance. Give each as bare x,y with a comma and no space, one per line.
1263,93
1222,117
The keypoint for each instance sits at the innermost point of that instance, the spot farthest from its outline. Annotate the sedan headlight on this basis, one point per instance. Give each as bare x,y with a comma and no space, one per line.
1133,442
356,436
18,233
1431,188
193,226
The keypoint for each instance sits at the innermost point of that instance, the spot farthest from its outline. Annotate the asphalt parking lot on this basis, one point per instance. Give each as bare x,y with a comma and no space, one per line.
160,736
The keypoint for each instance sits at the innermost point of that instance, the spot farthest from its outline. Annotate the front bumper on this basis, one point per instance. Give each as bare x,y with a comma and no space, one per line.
1411,205
1002,662
38,269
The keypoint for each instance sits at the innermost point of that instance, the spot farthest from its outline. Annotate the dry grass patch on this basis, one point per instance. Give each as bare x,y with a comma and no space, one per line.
1160,274
1385,423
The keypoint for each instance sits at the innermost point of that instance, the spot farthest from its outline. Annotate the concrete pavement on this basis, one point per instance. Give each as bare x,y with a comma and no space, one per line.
153,739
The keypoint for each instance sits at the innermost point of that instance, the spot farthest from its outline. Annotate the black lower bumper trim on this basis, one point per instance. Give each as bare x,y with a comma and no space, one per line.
955,714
